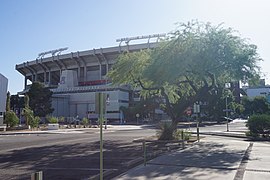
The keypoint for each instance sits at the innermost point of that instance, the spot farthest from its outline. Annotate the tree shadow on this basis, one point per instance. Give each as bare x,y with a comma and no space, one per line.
68,161
196,162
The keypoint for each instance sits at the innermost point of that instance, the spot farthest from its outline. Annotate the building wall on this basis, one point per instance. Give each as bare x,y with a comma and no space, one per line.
262,91
3,96
82,104
74,77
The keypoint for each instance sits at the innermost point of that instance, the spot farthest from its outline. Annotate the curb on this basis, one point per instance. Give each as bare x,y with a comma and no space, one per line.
105,174
21,133
152,155
133,162
222,134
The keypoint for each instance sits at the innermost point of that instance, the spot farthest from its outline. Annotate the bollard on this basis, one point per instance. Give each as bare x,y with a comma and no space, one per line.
37,175
144,153
182,134
198,133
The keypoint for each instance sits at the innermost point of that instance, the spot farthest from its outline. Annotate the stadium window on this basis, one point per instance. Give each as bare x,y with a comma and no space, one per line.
103,70
93,68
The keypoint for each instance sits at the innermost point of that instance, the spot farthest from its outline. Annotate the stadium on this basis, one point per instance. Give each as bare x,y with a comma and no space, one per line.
75,77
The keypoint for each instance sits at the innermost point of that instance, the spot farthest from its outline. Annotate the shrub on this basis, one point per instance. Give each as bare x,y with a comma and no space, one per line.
259,125
28,114
11,119
85,121
34,122
179,133
61,119
31,120
52,119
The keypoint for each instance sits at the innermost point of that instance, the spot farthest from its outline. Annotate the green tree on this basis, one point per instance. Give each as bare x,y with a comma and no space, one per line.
26,101
31,119
257,105
11,119
34,122
8,101
26,110
16,102
40,99
193,63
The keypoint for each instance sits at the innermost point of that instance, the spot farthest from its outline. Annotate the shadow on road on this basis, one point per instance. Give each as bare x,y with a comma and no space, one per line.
72,161
197,162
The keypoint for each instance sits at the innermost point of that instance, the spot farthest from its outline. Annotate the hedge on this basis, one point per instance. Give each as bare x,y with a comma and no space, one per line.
259,125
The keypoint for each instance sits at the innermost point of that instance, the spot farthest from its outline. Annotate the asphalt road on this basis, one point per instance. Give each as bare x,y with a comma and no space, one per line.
75,154
70,155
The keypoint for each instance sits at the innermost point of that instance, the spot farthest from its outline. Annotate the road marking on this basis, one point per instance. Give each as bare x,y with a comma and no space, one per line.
185,165
259,170
242,167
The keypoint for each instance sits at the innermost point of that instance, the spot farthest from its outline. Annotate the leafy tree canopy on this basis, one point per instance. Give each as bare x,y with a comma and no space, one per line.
40,99
257,105
193,62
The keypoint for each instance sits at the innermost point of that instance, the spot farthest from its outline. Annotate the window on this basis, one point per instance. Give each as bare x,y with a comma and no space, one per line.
103,70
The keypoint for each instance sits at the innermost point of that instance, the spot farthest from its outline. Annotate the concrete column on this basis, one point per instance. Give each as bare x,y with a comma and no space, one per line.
49,78
25,82
79,74
107,68
85,73
44,77
100,75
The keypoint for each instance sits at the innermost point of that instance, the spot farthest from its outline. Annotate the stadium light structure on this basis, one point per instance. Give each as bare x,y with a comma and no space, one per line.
52,52
128,39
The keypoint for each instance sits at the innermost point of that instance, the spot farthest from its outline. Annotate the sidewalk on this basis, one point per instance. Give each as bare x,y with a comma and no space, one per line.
213,158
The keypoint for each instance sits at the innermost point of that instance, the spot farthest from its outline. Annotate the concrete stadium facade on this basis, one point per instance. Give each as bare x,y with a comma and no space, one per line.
74,78
3,96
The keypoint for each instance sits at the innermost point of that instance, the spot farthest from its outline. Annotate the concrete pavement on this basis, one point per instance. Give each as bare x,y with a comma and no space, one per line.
212,158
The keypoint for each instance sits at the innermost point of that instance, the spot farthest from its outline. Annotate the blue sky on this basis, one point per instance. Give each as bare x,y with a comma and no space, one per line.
29,27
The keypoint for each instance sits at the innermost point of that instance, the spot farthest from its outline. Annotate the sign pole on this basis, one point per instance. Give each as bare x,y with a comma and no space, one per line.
227,113
100,109
196,108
